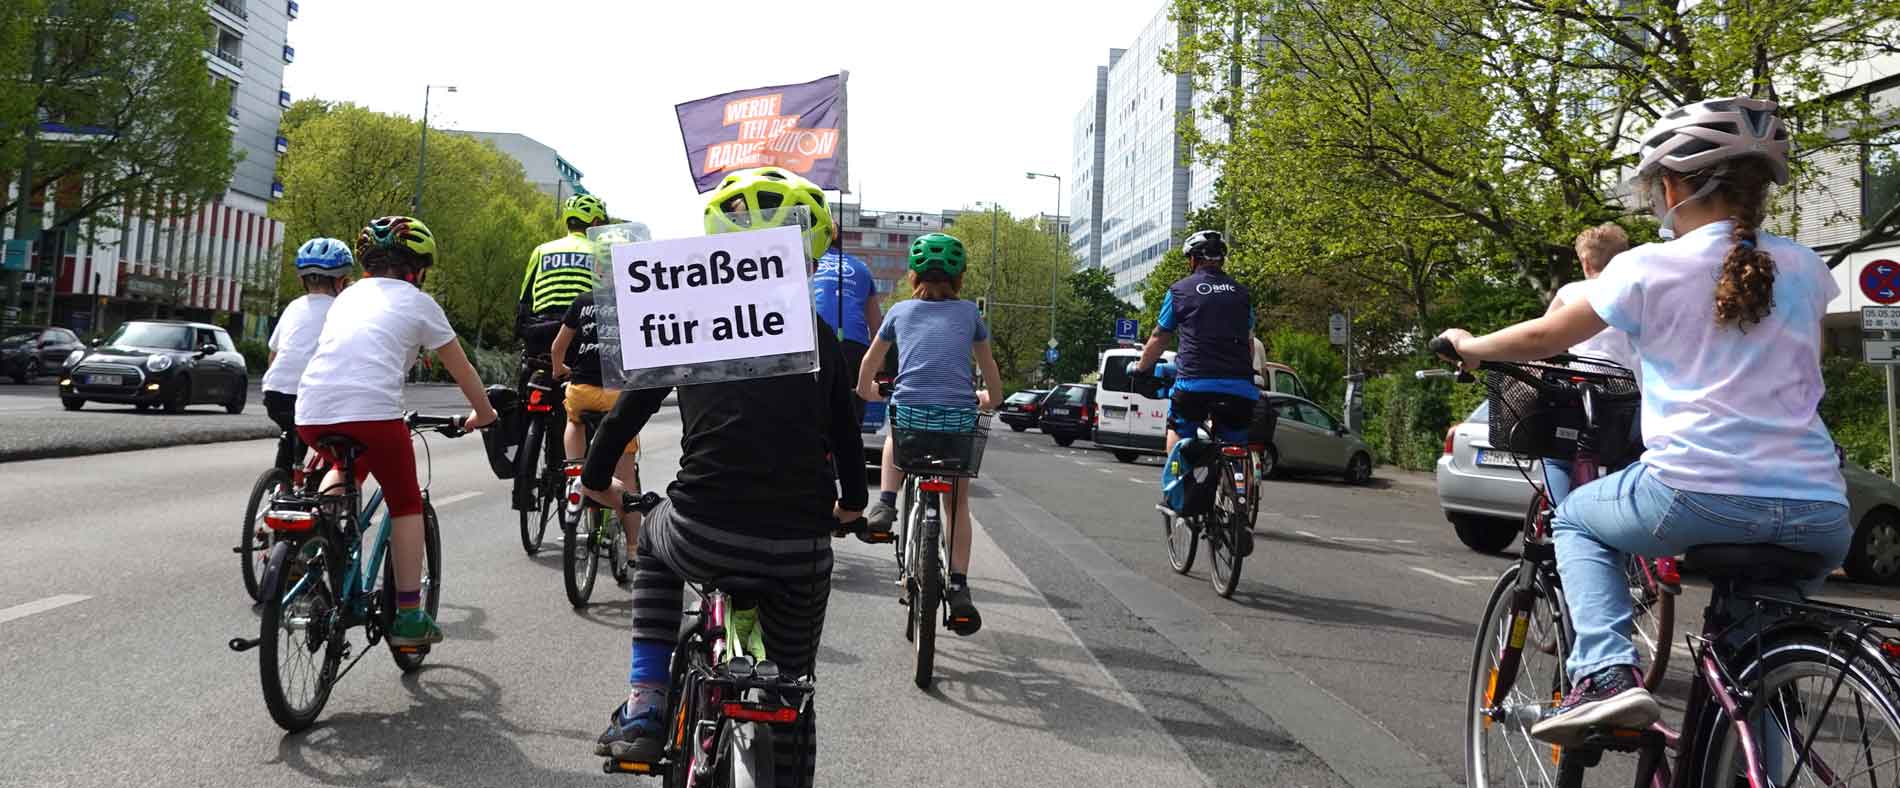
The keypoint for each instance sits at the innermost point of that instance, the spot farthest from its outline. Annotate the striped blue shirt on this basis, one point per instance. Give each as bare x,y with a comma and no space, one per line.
933,341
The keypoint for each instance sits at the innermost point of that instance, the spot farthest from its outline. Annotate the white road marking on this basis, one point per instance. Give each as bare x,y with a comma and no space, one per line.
1308,534
1440,575
40,606
1358,539
461,496
1403,541
1138,481
1309,517
1478,578
1105,470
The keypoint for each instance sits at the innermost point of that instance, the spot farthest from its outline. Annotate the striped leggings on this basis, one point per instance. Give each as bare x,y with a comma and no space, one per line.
674,549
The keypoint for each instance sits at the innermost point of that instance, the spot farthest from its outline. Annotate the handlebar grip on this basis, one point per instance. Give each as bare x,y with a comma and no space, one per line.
1442,348
885,389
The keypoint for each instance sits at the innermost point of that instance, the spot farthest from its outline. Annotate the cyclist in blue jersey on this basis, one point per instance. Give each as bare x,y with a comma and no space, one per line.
845,295
1211,317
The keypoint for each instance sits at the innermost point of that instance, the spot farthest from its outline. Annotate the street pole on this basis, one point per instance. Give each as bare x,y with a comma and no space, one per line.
422,159
1055,270
990,297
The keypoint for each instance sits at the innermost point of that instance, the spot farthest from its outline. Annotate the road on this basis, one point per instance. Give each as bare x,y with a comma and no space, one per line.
1340,662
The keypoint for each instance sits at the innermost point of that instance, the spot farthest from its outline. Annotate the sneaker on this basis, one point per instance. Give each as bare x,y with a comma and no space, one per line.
1609,698
879,517
414,628
964,620
636,734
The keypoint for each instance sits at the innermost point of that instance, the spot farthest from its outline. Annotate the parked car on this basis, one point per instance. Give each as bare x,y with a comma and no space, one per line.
1309,439
1127,423
1022,409
27,352
158,363
1486,496
1068,412
1484,492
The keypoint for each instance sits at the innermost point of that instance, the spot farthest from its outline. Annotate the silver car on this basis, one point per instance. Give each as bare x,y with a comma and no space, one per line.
1484,492
1309,439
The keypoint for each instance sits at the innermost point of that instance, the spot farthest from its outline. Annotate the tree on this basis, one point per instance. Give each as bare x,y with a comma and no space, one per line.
122,84
1085,323
1026,255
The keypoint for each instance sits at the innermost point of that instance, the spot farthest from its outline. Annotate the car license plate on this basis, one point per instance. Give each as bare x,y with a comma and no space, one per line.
1498,459
1113,412
1061,411
104,380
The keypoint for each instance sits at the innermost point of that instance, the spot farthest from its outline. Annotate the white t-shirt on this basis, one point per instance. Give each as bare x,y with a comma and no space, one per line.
1726,410
370,339
294,340
1610,343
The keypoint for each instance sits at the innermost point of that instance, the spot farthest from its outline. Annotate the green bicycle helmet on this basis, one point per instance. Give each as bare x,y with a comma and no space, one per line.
397,232
758,198
937,252
585,208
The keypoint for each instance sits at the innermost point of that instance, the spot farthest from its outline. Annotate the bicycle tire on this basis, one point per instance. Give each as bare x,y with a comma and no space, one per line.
316,604
929,582
431,585
1869,685
1183,541
1546,641
745,758
1652,622
580,559
1224,562
255,543
534,522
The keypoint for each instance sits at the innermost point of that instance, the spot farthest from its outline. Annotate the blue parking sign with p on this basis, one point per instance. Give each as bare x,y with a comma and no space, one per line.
1126,329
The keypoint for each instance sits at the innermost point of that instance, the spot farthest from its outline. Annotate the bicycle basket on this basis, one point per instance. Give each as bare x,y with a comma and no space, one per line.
1538,412
939,441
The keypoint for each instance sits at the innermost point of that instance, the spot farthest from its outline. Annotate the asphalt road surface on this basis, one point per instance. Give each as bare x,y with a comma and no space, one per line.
1341,661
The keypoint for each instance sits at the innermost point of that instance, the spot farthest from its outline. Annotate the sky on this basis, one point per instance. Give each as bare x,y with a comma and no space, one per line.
949,103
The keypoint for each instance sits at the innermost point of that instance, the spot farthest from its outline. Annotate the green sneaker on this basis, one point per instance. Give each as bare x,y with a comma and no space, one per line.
414,628
744,633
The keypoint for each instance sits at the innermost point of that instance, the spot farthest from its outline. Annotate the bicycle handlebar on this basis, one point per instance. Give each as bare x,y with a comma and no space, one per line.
448,426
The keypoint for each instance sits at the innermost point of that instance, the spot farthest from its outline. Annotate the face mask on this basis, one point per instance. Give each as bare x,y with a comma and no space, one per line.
1658,197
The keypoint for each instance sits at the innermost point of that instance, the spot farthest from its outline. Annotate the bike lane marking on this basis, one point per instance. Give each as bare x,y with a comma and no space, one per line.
456,498
40,606
1442,576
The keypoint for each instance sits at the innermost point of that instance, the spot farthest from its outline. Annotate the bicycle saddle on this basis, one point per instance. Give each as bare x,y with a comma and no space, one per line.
1762,563
341,445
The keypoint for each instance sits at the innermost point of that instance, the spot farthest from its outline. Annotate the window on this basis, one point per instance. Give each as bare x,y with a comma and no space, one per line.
1316,417
1880,178
1115,375
223,341
1287,383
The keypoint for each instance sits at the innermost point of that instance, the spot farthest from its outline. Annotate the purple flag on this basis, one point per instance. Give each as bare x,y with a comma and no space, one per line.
798,127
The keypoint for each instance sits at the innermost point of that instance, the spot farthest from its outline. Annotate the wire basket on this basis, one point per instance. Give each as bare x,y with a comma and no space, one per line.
939,441
1537,410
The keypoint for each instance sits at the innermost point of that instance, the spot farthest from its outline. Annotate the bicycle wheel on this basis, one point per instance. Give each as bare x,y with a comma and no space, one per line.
298,651
1184,538
531,495
431,585
927,575
580,557
1857,739
1511,686
1652,619
254,545
745,756
1225,523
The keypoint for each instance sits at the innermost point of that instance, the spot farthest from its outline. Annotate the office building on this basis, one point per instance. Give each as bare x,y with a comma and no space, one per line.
544,167
1129,169
882,238
216,260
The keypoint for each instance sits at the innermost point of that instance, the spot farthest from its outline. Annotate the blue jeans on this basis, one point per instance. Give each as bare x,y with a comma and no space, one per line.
1557,482
1630,511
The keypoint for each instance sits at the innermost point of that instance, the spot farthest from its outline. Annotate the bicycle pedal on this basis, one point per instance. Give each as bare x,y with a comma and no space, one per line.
1617,739
617,766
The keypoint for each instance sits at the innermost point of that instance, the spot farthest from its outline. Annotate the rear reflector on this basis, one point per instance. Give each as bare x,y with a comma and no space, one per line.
571,471
290,521
934,485
751,713
1233,451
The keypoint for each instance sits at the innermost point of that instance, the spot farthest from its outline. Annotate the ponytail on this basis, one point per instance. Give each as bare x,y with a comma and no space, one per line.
1745,293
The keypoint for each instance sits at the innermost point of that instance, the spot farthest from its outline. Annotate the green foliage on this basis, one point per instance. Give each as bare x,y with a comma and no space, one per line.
129,76
1169,270
256,355
1085,324
1321,366
348,165
1855,410
1406,418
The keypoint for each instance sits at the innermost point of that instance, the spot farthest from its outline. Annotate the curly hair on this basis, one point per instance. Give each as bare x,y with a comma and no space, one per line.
1745,292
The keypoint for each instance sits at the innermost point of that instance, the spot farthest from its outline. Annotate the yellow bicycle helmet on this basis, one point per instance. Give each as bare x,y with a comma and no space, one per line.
759,198
585,208
393,232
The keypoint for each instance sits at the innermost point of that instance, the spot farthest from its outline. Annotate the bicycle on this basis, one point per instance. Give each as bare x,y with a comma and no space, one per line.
1227,523
255,542
935,448
1760,638
318,583
539,478
602,537
724,701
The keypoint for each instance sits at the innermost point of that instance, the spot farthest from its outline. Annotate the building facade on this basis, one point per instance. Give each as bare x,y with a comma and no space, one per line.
1145,183
543,165
882,239
214,262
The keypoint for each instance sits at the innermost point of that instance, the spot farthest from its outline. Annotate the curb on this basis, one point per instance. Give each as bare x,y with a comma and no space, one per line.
138,444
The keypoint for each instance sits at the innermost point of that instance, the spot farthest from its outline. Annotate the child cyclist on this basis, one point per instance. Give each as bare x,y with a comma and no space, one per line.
936,333
1725,320
768,468
576,359
353,387
324,265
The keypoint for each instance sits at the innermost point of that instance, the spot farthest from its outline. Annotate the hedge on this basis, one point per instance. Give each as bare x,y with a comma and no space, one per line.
1854,410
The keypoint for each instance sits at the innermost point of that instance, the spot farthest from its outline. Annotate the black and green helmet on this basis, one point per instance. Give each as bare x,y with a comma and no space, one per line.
937,252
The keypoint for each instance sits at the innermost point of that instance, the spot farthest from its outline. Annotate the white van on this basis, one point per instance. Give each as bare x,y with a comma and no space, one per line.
1131,425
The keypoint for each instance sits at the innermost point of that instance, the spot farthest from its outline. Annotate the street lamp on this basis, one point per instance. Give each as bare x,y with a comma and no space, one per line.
1061,247
994,209
422,159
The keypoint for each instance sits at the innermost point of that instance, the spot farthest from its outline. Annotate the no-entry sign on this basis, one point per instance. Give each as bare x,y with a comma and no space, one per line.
1880,281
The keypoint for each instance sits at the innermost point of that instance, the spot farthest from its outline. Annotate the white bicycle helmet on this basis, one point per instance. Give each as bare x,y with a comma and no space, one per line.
1699,136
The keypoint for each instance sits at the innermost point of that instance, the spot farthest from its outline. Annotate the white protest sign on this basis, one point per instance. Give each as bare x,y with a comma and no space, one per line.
721,297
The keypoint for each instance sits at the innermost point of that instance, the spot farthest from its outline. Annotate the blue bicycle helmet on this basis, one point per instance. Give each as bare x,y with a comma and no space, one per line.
324,257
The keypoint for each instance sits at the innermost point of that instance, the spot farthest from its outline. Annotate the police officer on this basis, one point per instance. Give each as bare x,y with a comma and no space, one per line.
1212,317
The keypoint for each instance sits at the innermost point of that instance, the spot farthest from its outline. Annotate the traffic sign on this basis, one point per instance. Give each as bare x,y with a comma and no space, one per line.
1882,351
1880,318
1052,343
1336,328
1880,281
1126,329
1050,355
17,252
